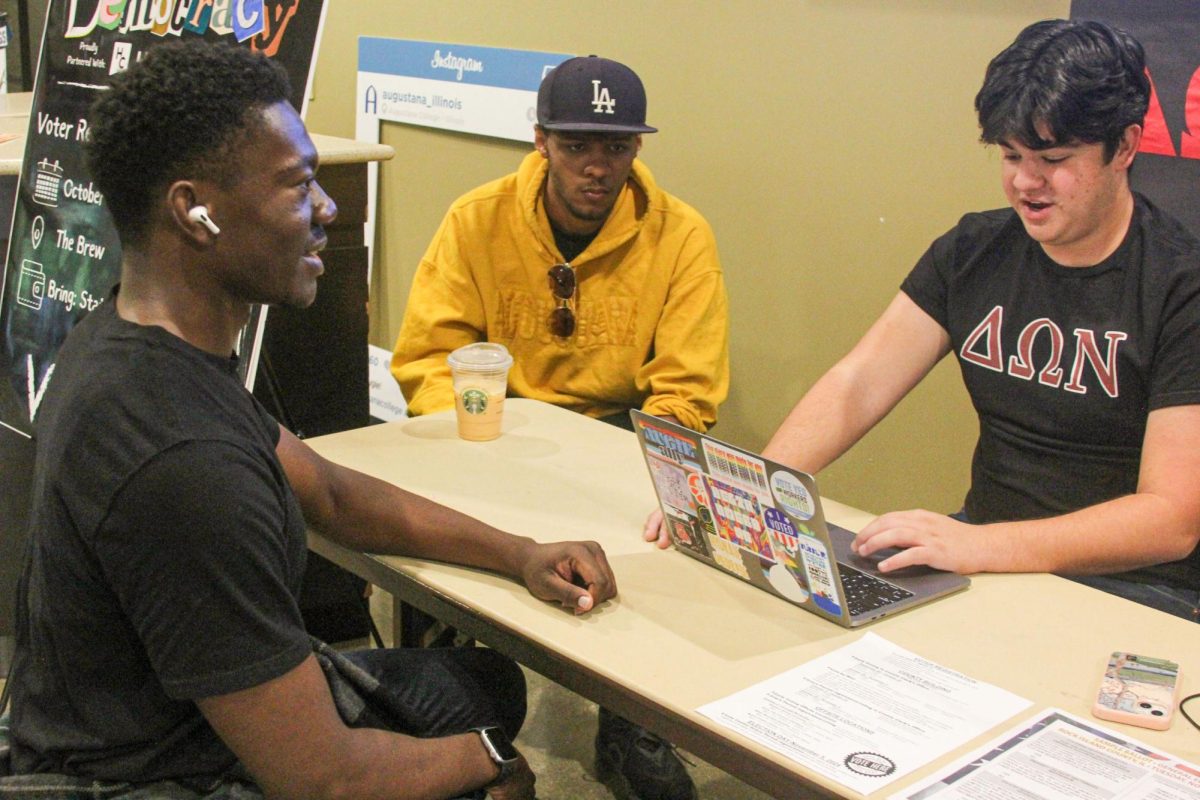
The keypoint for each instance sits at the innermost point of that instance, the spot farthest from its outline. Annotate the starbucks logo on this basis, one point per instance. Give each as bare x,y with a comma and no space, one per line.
475,401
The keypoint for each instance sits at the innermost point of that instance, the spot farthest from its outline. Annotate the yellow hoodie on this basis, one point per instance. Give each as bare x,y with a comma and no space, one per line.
652,328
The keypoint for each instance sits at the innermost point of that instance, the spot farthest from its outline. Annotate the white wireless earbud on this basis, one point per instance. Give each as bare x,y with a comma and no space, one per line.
200,214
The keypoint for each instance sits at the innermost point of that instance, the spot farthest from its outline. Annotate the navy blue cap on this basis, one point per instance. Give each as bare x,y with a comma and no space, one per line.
592,94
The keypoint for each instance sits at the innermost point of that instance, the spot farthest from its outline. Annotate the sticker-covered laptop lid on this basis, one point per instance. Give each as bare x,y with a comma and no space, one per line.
762,522
743,515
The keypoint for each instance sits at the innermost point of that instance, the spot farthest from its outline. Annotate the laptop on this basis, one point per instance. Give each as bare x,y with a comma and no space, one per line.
762,522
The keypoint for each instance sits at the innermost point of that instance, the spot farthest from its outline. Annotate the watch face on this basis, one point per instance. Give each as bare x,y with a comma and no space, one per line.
500,743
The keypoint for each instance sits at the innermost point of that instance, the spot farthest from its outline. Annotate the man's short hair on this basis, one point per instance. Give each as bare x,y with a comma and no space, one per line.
1081,81
177,114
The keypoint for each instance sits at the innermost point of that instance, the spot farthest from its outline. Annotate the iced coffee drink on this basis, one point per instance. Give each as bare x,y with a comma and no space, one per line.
480,375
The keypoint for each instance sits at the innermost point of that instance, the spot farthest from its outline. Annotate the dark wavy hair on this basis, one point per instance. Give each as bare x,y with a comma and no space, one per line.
178,113
1082,80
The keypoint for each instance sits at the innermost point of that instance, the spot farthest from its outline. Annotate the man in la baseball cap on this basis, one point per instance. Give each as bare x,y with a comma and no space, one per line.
607,290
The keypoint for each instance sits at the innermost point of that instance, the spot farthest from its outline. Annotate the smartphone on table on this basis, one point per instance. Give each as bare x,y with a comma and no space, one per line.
1138,690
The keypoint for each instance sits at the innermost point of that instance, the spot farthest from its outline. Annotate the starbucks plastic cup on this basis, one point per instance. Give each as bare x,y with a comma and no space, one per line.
480,374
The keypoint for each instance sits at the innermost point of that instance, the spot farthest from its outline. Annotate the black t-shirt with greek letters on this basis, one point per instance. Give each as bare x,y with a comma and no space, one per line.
1063,365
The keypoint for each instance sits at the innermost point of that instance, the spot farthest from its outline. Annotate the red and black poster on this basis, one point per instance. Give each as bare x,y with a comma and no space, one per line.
1167,168
64,255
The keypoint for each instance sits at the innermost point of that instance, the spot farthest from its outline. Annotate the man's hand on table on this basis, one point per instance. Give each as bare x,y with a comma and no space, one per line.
575,574
656,531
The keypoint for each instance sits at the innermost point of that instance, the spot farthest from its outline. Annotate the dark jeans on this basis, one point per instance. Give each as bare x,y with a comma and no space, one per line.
426,693
446,690
621,420
1171,599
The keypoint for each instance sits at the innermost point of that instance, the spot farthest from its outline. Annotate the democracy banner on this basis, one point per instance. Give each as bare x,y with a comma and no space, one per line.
64,255
1167,168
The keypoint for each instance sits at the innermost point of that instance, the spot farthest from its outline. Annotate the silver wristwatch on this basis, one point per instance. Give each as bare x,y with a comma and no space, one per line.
500,749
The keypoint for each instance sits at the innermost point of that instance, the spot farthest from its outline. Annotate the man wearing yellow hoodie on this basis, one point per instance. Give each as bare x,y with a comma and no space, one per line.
607,290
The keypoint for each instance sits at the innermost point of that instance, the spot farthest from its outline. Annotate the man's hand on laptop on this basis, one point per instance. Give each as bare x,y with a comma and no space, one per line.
655,530
923,537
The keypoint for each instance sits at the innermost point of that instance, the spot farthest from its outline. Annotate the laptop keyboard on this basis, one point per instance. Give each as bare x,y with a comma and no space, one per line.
866,592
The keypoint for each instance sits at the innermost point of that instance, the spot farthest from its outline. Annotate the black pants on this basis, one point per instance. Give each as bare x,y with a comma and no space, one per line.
419,692
445,690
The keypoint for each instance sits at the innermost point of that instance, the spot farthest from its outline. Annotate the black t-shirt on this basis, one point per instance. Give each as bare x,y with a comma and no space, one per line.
165,558
1065,364
571,244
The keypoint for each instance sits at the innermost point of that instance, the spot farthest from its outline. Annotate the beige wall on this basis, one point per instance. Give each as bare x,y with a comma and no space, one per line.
826,141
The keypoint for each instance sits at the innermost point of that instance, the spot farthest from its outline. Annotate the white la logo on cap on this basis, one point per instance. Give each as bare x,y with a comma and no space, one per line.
601,101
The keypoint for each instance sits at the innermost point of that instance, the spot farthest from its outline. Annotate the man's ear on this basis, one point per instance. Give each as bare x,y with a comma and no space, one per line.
539,140
1127,148
182,197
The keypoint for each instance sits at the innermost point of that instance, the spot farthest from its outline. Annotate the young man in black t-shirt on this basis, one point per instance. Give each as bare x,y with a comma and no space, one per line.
159,643
1075,318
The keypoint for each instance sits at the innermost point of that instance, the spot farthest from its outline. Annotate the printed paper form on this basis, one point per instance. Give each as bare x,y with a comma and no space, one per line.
1057,756
865,714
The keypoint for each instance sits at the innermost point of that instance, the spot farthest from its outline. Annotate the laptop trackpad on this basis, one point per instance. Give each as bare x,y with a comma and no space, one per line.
870,563
841,544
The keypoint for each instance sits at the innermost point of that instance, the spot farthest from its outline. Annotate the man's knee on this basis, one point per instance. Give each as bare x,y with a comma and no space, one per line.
503,680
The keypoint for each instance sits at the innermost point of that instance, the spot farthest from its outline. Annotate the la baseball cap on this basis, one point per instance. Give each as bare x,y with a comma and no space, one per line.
592,94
